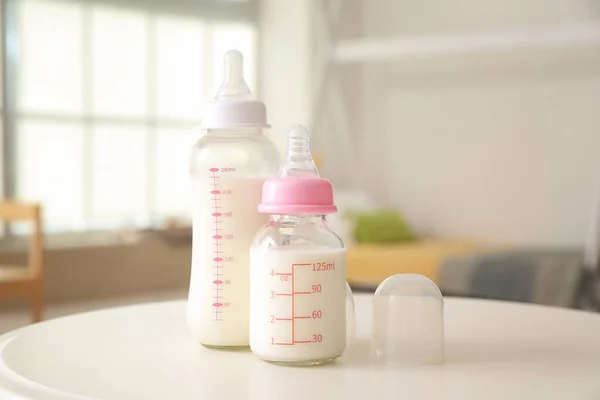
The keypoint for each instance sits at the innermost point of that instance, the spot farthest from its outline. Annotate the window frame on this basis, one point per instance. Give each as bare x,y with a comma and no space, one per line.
211,12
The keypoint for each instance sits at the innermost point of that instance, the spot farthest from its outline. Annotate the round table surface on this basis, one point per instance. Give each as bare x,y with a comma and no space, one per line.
494,350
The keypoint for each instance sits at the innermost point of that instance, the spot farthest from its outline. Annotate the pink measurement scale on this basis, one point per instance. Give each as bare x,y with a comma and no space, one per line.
298,295
219,255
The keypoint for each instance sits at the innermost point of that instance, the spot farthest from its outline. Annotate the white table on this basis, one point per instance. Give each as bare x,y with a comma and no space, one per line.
494,350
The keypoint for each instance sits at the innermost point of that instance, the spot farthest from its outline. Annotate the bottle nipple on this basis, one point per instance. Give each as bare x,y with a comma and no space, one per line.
233,84
311,195
234,106
298,161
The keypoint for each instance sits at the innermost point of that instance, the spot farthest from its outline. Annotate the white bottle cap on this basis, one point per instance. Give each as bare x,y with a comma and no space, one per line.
234,106
408,321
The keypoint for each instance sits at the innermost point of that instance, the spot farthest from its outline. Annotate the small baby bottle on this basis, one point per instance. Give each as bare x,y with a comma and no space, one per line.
297,267
228,166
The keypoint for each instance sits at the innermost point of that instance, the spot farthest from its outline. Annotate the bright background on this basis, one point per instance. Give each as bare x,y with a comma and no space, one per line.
103,102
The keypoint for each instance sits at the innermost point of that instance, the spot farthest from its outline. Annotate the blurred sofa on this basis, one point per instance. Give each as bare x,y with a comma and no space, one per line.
549,276
369,264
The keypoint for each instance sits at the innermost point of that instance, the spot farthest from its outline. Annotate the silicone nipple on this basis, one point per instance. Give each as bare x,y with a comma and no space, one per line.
233,84
408,321
298,160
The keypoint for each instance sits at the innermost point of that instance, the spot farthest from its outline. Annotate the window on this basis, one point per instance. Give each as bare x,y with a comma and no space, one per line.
103,102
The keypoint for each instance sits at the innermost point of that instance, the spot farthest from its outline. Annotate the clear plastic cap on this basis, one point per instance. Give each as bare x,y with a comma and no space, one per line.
408,321
234,106
298,160
350,317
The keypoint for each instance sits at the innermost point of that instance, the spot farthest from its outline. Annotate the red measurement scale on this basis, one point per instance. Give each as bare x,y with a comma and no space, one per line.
316,288
219,210
217,246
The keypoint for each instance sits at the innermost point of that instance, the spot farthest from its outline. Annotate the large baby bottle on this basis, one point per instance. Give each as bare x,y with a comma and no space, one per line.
298,267
228,167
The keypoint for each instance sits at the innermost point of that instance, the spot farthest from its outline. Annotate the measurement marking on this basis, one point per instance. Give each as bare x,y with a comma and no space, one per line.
293,323
294,317
217,237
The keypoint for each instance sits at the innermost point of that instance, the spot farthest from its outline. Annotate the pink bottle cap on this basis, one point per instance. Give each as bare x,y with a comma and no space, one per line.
300,189
302,195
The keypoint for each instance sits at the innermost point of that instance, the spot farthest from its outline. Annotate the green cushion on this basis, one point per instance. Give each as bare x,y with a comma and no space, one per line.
381,226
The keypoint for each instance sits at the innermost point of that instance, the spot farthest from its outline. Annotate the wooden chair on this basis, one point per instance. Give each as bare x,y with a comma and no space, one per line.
25,281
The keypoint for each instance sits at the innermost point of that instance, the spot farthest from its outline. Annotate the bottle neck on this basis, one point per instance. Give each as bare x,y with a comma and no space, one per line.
297,219
250,131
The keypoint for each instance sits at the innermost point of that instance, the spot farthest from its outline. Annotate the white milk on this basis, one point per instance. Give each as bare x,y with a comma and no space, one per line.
298,303
219,288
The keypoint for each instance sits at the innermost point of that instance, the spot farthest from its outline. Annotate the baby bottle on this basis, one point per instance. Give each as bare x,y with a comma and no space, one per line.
228,166
297,267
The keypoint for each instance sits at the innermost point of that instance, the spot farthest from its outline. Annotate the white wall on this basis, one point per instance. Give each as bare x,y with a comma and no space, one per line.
504,160
501,148
285,56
